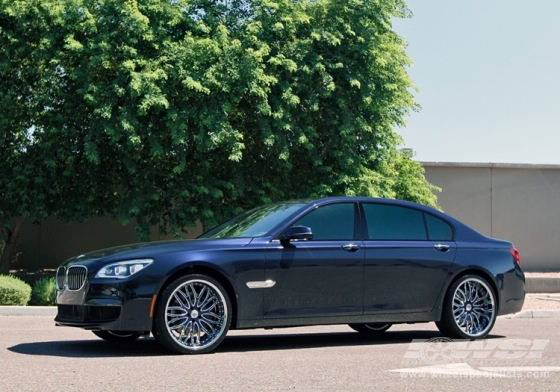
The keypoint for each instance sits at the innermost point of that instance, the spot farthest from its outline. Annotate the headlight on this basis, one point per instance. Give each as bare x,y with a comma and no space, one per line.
123,269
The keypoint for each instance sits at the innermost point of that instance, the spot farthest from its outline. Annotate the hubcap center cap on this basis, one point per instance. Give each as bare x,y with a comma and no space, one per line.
468,307
194,314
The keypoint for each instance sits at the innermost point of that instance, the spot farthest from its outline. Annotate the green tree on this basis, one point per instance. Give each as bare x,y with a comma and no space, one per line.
44,167
168,112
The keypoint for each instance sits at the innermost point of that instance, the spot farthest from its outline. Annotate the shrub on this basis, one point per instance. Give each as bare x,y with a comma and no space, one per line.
14,291
44,292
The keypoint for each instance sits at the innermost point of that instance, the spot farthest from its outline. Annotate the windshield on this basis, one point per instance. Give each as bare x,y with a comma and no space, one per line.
254,223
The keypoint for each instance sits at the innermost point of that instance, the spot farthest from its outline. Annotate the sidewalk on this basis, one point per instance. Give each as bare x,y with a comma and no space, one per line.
542,305
543,296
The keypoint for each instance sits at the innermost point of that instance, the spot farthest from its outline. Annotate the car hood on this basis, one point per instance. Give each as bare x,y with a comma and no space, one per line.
152,249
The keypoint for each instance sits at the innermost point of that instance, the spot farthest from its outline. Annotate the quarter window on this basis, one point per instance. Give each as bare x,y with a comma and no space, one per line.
438,230
330,222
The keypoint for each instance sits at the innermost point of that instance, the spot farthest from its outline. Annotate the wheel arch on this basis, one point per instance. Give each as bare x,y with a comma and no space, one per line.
211,272
478,272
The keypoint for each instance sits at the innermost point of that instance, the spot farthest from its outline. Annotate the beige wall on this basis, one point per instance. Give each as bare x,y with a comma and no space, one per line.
48,244
520,203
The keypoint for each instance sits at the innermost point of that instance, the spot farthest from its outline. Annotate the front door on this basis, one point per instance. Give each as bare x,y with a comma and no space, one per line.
321,277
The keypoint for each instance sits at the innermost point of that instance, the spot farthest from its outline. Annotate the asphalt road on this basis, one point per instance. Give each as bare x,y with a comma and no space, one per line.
520,354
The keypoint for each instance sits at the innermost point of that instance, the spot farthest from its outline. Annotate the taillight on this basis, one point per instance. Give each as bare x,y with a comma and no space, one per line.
515,255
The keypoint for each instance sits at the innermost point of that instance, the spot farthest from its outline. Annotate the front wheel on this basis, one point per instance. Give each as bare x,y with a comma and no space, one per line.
371,328
193,315
469,309
117,336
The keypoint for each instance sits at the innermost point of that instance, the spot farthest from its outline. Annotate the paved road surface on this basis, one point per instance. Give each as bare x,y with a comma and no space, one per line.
521,354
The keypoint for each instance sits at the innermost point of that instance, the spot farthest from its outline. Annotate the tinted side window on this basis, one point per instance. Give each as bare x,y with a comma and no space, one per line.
387,222
331,222
438,230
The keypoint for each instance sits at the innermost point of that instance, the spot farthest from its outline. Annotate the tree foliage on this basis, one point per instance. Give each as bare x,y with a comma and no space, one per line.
165,112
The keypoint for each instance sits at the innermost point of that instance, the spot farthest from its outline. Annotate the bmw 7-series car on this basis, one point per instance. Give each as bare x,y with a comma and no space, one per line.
365,262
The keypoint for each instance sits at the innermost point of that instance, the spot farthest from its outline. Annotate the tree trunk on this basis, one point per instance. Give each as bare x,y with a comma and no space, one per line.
11,239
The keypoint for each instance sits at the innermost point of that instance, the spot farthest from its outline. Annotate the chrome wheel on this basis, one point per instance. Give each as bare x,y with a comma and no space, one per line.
469,309
473,307
195,316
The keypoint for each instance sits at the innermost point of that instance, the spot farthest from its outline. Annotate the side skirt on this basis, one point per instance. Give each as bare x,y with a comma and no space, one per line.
393,318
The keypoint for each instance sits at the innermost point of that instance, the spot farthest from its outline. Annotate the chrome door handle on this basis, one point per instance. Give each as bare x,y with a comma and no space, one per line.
441,247
350,247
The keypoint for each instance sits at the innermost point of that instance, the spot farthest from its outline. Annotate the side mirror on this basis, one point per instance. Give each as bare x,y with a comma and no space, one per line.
298,233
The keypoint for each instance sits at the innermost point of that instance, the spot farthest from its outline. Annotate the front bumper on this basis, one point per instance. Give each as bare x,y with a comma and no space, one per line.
134,316
111,306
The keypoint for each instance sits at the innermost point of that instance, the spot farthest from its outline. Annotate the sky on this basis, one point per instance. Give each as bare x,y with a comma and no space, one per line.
488,72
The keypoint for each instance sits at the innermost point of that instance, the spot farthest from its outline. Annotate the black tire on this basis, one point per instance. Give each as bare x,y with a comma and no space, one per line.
117,336
371,328
469,309
193,315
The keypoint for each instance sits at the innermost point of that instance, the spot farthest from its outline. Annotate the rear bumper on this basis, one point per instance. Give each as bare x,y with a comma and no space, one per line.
512,295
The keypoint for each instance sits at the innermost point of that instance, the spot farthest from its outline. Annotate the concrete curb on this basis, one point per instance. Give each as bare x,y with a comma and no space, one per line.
51,311
28,311
532,314
542,285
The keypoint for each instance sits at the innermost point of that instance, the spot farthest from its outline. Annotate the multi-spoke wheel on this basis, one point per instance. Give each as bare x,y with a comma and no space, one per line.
117,336
193,315
371,328
469,309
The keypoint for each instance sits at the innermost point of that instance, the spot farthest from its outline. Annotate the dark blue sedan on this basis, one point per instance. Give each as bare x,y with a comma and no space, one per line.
366,262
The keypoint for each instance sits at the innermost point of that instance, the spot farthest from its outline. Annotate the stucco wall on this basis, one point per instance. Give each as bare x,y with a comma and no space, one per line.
520,203
48,244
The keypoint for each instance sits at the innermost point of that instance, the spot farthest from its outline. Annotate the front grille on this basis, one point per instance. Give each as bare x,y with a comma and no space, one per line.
60,274
81,313
76,277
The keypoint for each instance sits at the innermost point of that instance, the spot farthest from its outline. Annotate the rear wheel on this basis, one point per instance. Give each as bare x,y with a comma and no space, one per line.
469,309
371,328
193,315
117,336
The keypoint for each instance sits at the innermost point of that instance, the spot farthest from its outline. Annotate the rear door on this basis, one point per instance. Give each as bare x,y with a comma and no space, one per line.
408,254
